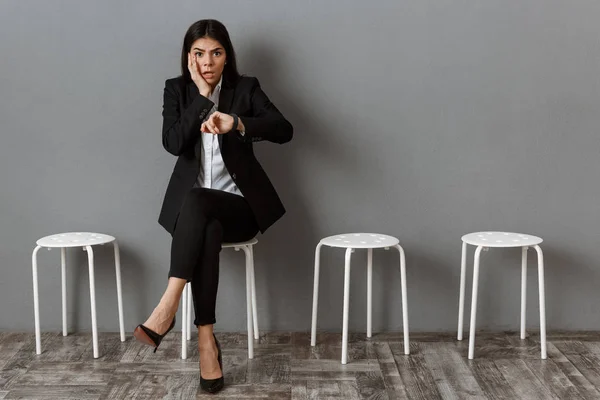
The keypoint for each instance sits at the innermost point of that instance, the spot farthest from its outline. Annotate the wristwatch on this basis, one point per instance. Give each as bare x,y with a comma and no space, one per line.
235,124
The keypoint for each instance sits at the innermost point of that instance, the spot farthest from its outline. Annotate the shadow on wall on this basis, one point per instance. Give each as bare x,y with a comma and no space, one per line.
285,254
133,275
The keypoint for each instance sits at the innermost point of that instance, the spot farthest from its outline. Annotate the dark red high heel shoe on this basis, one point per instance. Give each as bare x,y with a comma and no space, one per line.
149,337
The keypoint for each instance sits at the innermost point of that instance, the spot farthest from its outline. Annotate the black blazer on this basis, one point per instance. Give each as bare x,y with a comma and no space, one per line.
184,109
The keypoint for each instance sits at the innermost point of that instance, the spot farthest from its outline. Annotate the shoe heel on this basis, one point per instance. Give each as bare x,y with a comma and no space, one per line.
149,337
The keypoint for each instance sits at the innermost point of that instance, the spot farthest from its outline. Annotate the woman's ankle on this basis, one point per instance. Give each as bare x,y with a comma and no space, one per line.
205,337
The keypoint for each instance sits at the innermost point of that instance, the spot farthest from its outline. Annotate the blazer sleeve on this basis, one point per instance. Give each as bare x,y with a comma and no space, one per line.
266,122
180,130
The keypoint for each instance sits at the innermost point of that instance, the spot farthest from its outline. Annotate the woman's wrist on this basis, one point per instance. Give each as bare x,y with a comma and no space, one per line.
240,126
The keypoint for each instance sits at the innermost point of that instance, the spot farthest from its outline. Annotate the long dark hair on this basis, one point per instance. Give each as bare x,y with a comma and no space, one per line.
215,30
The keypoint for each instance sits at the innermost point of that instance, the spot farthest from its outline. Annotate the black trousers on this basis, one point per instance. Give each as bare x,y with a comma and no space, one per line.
207,219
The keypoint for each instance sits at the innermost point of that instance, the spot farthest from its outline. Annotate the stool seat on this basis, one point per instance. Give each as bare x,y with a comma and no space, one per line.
74,239
250,242
360,241
501,239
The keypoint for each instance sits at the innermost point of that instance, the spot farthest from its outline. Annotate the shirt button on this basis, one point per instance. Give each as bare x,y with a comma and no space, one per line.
234,176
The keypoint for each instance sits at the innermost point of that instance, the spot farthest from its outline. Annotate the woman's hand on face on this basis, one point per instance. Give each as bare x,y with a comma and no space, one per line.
217,123
196,76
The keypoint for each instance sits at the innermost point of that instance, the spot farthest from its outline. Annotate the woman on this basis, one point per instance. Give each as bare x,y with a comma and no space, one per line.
218,191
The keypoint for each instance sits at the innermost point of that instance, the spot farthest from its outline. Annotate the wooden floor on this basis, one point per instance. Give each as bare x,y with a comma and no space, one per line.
286,367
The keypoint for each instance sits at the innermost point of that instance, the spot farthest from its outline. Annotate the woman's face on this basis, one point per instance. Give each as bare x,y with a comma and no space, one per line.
210,57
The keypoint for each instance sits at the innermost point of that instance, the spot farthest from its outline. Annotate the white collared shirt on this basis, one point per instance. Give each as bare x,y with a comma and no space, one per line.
213,173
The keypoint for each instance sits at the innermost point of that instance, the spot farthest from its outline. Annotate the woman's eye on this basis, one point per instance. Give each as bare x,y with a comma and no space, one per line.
217,53
198,54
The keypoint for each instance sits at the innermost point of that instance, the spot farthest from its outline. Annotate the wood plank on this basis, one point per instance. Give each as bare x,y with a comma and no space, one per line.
56,392
581,336
51,373
398,337
334,366
21,360
66,348
524,382
389,372
110,348
491,380
299,390
350,390
10,344
329,346
269,368
275,391
235,366
136,386
327,370
324,389
553,378
418,381
182,386
588,364
453,378
370,386
174,367
274,338
528,348
585,387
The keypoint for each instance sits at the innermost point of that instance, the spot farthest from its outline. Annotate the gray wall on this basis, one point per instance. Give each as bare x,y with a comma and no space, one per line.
420,119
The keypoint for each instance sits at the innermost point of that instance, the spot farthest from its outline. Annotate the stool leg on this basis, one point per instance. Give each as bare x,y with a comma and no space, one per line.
404,298
542,291
523,290
36,301
369,292
63,275
313,328
254,307
249,301
346,307
190,303
461,299
90,254
184,323
119,289
474,303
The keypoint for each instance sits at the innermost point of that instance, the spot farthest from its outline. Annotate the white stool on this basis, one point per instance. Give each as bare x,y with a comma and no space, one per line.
483,241
76,239
187,303
352,241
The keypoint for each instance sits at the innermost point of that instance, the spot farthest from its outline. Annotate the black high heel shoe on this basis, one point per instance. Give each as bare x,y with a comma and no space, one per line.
149,337
214,385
